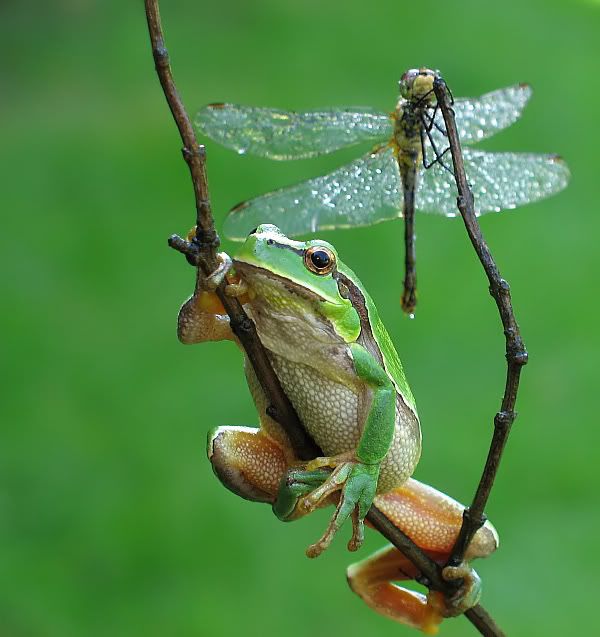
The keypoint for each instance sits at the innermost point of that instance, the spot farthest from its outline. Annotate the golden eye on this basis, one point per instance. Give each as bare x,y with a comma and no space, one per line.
319,259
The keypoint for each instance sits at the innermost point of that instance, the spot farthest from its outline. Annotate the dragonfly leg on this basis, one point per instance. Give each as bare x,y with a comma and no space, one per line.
438,156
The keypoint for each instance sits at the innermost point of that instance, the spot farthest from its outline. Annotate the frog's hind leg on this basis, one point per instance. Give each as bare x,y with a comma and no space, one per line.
372,579
247,462
432,520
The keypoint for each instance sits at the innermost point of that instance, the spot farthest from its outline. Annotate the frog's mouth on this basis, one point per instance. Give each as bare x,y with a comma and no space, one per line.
285,312
254,274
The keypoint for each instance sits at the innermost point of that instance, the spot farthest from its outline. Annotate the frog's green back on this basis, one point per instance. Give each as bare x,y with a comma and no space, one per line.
391,360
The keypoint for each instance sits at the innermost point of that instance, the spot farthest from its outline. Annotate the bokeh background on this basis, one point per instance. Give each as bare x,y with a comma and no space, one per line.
111,522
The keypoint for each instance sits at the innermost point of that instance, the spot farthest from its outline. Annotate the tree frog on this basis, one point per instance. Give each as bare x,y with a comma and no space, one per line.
339,368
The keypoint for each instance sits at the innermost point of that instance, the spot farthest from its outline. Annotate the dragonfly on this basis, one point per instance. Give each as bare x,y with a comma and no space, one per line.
408,168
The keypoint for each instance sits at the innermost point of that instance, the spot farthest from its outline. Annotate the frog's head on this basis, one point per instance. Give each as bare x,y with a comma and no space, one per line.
417,84
306,267
297,278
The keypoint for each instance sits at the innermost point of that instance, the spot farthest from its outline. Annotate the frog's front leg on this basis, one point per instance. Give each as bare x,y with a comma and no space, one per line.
202,317
355,474
432,520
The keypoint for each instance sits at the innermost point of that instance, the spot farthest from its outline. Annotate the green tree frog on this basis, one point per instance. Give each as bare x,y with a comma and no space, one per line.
339,368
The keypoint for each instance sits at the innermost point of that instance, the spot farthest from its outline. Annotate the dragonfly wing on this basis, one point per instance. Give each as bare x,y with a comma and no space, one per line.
499,181
360,193
276,134
481,117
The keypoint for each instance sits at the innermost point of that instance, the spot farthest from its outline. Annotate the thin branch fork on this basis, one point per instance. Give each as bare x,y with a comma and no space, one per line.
516,354
201,252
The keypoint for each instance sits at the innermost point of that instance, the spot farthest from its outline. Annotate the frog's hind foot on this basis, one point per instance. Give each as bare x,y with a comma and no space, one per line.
432,520
467,595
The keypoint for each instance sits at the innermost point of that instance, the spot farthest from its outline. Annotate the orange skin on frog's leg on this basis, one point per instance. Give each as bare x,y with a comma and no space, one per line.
252,464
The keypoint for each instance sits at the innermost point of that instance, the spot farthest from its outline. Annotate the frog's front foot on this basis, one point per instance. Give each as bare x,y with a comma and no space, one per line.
356,484
467,595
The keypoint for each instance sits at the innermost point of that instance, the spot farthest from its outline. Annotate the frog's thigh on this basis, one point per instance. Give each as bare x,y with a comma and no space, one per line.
432,519
372,580
247,462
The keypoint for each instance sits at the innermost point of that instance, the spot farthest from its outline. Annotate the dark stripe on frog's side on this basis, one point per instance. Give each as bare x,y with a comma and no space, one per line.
349,290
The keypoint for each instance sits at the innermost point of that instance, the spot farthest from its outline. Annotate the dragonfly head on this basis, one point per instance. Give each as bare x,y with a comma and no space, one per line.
417,84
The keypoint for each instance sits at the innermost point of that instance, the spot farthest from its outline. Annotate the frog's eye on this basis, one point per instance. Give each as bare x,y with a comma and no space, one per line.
319,259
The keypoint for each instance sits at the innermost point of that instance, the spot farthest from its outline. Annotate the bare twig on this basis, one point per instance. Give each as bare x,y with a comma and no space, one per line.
483,621
516,354
201,252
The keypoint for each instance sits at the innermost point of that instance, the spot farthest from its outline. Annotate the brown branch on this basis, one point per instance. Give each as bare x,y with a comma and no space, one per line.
483,621
516,354
201,252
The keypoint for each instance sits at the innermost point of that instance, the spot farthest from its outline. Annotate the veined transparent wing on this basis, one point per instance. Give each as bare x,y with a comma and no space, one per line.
276,134
499,181
481,117
360,193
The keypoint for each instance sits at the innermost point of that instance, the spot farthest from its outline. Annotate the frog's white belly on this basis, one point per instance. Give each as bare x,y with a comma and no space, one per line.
328,410
333,414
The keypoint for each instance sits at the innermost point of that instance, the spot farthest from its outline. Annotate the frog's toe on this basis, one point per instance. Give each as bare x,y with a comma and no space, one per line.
343,511
334,482
329,461
293,489
468,594
314,550
358,532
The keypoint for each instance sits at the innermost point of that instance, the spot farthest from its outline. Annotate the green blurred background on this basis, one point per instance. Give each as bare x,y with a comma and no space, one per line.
111,522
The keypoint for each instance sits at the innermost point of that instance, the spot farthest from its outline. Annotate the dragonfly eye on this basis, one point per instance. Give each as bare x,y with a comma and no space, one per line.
407,81
319,259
